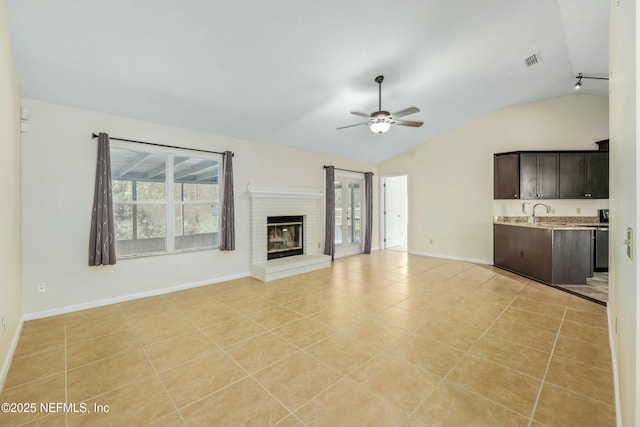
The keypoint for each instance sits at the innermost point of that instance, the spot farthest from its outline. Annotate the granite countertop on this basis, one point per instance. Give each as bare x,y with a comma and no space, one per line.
553,222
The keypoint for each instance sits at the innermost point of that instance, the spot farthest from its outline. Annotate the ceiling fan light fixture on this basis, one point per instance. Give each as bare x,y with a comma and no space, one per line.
380,121
380,127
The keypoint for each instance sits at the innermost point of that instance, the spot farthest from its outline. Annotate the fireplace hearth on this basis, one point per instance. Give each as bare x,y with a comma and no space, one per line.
284,236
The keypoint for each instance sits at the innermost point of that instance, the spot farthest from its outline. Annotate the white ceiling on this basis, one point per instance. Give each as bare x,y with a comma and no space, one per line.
289,72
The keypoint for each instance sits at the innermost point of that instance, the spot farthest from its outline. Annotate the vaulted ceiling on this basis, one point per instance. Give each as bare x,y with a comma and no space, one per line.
289,72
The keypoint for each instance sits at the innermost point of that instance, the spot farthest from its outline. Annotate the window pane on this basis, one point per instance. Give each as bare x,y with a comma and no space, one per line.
338,212
150,221
144,172
196,226
123,216
140,229
150,191
196,179
186,192
122,190
356,200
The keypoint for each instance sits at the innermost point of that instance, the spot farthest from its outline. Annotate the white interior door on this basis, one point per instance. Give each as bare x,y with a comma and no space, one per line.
349,215
395,212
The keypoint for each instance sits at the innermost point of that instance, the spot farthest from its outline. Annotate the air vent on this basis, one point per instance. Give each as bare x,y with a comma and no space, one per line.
533,59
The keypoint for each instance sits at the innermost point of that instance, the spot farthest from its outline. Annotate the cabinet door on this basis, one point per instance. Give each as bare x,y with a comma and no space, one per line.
536,253
548,176
528,176
539,176
572,176
506,247
597,175
572,256
505,176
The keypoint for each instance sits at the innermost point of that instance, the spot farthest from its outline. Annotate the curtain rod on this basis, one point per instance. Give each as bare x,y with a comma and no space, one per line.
346,170
94,135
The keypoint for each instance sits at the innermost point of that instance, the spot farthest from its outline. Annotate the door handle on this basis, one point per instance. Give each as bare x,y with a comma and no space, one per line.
629,242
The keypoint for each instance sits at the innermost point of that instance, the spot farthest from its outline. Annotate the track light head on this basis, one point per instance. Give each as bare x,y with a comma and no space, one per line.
578,84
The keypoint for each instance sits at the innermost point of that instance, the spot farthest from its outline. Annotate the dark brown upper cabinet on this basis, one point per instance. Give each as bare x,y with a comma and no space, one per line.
551,175
584,175
539,175
505,176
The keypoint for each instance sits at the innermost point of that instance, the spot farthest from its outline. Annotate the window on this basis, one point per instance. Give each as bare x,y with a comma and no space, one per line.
164,201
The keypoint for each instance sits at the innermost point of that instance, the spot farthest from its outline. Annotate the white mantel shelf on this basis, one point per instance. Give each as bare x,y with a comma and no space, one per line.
282,194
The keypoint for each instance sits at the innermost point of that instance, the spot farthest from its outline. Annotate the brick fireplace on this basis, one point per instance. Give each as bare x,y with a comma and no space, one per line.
303,205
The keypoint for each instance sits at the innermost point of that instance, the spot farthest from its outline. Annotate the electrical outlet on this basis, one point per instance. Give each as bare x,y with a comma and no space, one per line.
431,241
578,211
4,325
42,288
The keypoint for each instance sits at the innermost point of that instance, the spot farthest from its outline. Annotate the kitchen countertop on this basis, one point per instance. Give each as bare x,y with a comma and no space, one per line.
552,223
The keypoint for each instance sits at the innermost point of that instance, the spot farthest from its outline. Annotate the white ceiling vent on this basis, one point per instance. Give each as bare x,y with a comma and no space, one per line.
533,59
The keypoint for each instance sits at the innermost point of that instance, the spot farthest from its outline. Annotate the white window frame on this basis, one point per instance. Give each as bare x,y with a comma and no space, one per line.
170,202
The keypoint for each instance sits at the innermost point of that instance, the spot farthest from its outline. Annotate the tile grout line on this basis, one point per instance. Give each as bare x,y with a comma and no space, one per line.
248,374
155,371
546,371
463,356
336,331
344,331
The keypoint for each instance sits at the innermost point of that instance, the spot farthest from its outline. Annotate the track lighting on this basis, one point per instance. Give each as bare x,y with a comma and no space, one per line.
578,84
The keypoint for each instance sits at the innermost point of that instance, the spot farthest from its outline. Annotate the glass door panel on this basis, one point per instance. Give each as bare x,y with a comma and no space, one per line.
348,216
355,196
338,214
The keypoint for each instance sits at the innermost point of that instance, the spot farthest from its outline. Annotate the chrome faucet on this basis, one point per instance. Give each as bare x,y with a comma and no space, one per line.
532,218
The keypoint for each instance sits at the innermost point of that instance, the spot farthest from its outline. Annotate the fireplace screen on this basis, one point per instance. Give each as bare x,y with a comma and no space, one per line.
284,236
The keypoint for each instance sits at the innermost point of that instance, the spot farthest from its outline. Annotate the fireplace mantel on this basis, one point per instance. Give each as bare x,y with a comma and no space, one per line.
269,193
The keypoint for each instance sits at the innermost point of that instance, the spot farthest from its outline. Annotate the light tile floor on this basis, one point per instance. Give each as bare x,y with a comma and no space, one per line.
387,339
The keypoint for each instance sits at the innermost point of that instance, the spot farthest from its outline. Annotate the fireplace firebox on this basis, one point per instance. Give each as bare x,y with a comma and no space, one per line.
284,236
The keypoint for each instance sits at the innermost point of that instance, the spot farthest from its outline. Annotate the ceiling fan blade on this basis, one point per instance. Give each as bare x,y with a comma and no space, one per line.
360,114
409,123
406,112
350,126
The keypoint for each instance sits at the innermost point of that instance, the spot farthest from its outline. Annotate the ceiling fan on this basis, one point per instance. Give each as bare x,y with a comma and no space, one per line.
380,121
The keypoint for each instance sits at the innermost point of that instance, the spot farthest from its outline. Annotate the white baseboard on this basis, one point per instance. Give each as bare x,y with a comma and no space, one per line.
455,258
614,366
6,363
115,300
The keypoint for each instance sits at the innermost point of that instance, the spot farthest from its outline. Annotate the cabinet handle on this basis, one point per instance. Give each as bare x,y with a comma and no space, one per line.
515,196
522,254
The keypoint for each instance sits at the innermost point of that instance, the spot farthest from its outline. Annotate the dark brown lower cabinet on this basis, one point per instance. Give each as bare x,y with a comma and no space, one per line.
546,255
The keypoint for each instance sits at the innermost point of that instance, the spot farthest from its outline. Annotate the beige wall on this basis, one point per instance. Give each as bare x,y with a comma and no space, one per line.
451,177
624,298
10,293
58,180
